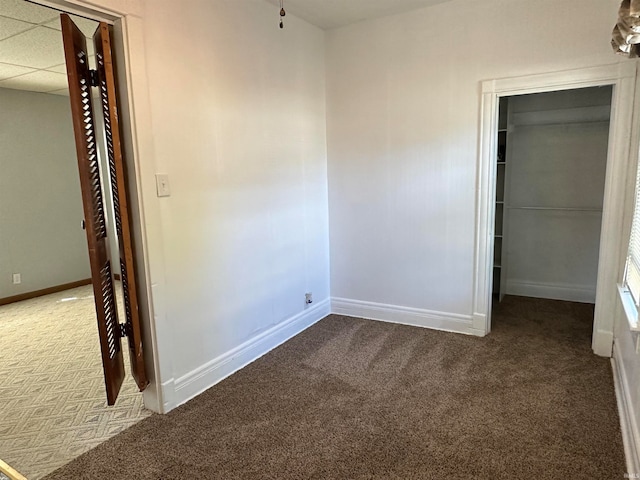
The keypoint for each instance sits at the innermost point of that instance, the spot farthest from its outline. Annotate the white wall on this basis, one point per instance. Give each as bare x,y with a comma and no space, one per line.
40,201
403,125
238,121
403,117
628,365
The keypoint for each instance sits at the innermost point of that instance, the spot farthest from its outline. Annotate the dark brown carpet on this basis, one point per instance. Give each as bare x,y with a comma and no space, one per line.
356,399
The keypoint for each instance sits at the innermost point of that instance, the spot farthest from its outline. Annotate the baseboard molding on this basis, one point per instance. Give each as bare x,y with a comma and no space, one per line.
554,291
628,424
44,291
216,370
450,322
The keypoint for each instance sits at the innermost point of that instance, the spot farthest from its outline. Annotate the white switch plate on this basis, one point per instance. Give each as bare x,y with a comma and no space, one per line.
17,279
162,185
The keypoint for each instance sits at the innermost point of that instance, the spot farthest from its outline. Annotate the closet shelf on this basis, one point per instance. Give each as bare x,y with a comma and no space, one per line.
562,209
565,116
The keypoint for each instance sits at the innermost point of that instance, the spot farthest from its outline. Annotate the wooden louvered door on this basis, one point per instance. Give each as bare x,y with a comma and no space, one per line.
81,79
107,85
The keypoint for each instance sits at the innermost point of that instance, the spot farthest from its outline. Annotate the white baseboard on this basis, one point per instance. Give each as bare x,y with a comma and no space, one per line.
554,291
416,317
628,424
216,370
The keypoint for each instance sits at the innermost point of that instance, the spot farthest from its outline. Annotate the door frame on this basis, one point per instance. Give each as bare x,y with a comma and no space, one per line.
619,185
135,114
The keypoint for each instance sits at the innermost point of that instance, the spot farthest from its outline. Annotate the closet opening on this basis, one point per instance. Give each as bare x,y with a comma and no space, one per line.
618,187
550,174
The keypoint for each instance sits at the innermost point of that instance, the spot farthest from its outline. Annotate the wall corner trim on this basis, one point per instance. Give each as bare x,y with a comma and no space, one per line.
488,86
200,379
167,400
479,321
449,322
627,69
628,424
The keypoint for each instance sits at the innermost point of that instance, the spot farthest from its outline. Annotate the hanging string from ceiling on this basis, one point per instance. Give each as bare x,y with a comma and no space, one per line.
282,13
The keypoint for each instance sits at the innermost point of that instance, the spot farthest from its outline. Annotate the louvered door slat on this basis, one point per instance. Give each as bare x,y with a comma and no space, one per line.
107,86
75,49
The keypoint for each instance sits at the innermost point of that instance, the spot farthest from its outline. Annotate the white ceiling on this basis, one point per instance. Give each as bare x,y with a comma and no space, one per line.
329,14
32,56
31,52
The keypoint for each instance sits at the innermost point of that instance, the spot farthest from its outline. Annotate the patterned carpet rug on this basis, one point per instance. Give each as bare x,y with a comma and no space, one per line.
53,404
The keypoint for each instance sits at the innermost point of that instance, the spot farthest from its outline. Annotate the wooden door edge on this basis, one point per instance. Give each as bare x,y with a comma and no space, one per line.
10,472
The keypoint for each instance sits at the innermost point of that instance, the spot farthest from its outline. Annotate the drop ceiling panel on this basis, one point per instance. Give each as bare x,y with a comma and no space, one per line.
9,27
28,12
31,50
8,71
86,26
40,47
58,69
39,81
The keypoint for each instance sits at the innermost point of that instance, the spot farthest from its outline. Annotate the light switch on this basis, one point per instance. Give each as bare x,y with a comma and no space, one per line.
162,185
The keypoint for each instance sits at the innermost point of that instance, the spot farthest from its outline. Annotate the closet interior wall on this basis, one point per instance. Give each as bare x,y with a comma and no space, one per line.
552,155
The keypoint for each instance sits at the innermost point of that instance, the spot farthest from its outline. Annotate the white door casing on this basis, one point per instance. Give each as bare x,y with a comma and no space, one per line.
621,163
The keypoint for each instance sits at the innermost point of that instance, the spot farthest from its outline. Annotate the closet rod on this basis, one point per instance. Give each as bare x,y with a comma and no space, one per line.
566,209
558,124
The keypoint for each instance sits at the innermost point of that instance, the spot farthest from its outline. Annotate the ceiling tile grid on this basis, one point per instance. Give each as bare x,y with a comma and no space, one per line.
31,50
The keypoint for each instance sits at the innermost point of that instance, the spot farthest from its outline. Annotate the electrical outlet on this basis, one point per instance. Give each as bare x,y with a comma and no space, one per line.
17,278
162,185
308,298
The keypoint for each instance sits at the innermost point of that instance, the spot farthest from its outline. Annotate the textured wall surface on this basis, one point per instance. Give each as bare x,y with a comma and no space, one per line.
238,116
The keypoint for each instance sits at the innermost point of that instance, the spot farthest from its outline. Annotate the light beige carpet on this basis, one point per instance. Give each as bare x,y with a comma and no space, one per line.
357,399
52,399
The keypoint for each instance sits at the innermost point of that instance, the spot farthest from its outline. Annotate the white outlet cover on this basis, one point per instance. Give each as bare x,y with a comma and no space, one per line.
17,278
162,185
